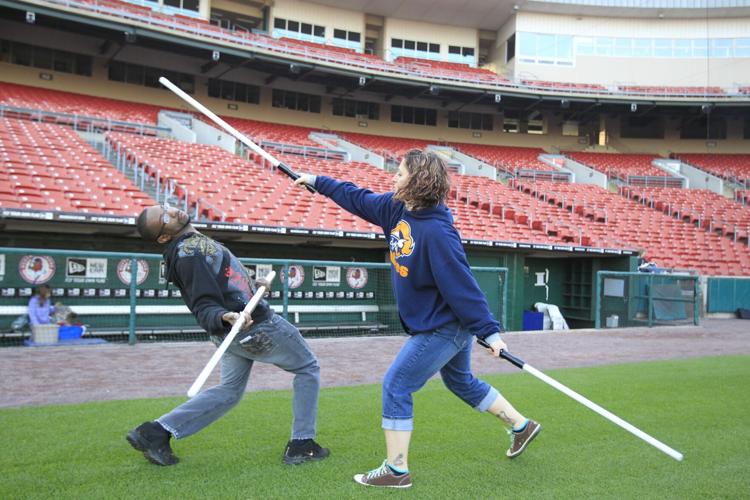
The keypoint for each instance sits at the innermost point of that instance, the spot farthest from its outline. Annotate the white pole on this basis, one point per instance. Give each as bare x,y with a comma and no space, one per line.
228,339
218,121
604,413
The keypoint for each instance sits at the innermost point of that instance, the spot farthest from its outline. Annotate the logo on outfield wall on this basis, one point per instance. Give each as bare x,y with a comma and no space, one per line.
356,277
84,270
124,271
326,276
296,276
36,269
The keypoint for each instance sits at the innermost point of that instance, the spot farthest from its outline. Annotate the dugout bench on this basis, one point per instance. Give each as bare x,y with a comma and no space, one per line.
364,322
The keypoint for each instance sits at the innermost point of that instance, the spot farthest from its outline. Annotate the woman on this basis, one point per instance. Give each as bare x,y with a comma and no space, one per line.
40,306
439,301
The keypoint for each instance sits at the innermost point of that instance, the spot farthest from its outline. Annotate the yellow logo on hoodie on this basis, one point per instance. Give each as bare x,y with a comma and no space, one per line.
401,245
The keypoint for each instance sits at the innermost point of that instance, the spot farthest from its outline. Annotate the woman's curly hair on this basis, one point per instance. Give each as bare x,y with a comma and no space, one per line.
428,183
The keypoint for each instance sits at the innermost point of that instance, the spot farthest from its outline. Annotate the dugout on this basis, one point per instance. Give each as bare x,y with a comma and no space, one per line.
561,275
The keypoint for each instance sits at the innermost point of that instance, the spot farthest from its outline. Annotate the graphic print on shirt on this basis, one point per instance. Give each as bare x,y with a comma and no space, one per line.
237,279
401,245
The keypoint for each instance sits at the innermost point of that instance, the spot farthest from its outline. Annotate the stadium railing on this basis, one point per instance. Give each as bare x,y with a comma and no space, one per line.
321,298
81,122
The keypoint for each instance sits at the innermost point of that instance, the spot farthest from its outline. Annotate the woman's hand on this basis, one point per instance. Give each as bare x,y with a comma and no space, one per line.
305,180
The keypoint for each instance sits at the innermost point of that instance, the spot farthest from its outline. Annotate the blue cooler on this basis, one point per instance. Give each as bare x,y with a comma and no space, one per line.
533,320
70,332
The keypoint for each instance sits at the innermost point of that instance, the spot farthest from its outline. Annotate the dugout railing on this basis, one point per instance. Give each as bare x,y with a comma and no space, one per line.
321,298
627,299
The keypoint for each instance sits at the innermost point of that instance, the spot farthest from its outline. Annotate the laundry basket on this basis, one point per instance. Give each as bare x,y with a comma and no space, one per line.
44,334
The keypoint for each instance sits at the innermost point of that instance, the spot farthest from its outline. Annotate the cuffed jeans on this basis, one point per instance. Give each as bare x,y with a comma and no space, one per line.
275,341
447,350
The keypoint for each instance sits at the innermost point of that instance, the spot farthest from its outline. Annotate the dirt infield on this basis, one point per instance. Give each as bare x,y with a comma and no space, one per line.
75,374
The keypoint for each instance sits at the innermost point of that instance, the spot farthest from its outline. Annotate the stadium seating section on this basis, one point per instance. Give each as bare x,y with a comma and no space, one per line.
672,91
448,70
507,158
576,87
669,242
22,96
330,53
273,132
620,166
49,167
734,167
700,207
384,146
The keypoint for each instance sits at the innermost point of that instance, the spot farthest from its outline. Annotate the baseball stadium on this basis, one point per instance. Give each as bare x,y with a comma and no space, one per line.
242,241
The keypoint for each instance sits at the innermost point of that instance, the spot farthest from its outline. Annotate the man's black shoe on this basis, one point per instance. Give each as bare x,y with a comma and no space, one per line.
153,440
299,451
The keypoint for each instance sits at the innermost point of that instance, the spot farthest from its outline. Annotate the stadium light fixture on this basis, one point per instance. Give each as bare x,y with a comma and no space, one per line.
30,17
633,107
215,55
498,97
362,81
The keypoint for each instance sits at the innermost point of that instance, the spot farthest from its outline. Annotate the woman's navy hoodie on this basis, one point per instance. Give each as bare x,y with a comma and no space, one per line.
432,281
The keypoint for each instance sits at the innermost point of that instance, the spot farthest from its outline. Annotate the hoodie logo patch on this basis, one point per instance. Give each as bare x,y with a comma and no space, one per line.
401,245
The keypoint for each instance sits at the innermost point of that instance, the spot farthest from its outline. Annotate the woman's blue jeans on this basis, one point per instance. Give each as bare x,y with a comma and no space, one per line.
447,350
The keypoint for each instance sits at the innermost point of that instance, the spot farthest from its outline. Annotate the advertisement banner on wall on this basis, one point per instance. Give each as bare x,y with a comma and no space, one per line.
85,270
36,269
124,271
329,276
356,277
296,276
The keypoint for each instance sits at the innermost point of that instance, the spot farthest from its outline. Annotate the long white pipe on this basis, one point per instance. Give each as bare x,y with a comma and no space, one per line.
604,413
218,121
249,308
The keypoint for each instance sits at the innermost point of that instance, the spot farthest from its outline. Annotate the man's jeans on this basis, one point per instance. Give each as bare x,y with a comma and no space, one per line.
448,350
274,341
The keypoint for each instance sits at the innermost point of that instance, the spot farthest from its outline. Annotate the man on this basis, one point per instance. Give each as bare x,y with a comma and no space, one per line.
215,287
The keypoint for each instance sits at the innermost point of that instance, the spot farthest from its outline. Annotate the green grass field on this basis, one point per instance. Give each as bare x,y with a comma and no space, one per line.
700,407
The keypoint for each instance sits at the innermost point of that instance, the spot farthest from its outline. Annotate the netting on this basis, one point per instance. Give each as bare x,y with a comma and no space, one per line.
646,299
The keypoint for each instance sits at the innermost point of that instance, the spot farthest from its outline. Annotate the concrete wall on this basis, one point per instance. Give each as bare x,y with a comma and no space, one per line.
632,70
330,17
432,33
207,134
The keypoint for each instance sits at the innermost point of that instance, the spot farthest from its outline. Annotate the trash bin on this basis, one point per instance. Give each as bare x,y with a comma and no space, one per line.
44,334
533,320
612,321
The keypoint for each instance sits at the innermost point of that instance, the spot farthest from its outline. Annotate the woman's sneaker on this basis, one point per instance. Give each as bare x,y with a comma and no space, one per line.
299,451
153,440
521,439
384,477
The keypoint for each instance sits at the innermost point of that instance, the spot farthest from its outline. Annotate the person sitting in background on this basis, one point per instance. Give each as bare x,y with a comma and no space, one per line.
40,306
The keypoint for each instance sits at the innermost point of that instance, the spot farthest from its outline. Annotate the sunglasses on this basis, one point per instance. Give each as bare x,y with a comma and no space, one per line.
164,218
